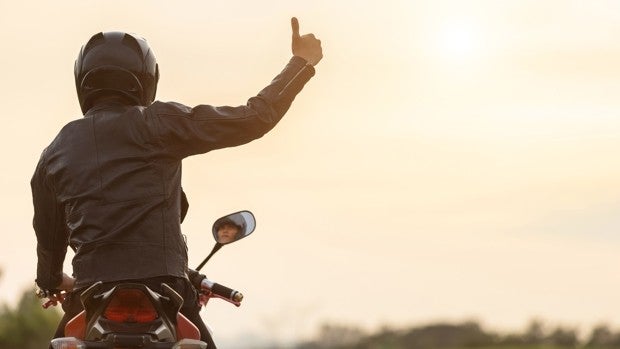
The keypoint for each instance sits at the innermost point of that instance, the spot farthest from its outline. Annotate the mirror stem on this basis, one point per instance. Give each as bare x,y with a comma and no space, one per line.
215,249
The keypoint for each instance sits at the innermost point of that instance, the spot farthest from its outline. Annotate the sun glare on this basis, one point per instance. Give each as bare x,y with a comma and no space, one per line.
458,42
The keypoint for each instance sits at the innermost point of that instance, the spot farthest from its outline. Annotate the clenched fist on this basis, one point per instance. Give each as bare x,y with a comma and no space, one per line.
306,46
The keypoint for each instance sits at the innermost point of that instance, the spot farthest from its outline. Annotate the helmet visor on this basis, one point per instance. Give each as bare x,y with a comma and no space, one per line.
111,78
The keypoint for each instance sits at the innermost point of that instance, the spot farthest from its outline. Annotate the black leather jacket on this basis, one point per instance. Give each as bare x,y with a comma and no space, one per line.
109,185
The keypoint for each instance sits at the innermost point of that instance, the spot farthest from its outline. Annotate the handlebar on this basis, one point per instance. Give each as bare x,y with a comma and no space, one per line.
210,289
226,292
52,298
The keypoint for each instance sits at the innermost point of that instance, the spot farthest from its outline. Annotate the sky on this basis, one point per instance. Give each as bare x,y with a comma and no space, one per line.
450,160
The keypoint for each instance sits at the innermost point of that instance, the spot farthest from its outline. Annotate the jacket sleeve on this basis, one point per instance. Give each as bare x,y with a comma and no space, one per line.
49,226
185,131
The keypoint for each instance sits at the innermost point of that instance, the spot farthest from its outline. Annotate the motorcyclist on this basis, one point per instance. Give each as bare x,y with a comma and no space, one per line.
109,184
227,230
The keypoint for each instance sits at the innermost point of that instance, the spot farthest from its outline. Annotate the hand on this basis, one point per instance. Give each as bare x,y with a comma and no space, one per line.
307,46
67,283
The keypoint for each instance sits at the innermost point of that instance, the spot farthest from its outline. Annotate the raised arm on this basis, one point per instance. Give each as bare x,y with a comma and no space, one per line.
185,131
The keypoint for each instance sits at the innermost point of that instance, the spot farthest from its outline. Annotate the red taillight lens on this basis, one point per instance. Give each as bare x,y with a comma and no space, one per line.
130,305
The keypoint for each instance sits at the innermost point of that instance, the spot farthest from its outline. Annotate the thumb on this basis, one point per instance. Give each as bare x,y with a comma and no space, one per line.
295,27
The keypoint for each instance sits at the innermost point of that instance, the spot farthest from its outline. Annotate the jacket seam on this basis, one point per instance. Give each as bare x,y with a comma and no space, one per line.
207,118
97,153
115,203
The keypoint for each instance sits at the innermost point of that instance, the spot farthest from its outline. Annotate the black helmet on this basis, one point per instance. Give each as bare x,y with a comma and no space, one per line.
117,63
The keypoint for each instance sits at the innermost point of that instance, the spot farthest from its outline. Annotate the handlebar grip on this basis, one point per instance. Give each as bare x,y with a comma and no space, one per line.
226,292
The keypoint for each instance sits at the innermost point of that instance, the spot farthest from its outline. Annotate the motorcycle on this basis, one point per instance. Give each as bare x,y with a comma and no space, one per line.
131,315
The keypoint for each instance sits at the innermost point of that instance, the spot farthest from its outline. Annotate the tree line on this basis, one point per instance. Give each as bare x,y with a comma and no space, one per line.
464,335
28,326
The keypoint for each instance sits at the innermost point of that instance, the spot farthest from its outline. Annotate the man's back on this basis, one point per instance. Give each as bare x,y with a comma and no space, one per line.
120,195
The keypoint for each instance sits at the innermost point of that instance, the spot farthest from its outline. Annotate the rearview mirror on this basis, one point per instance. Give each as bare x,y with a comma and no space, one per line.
233,227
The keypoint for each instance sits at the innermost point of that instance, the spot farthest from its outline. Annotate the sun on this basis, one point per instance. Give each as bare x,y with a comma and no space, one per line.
459,42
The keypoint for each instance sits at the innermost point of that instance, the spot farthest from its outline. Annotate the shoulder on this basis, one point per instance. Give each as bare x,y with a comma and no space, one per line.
72,126
68,129
64,135
159,108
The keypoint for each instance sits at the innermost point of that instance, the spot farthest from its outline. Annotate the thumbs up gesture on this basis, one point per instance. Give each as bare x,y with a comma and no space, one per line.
305,46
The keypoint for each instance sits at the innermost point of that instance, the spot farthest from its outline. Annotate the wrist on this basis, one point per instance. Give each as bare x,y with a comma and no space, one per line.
304,60
46,293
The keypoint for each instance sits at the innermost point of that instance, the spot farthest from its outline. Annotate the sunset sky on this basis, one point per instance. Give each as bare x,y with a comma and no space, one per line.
450,160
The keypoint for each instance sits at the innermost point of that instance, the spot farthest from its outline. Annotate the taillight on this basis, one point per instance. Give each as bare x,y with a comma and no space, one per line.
130,305
67,343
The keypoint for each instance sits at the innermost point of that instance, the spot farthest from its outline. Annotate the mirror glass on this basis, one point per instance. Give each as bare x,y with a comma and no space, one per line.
233,227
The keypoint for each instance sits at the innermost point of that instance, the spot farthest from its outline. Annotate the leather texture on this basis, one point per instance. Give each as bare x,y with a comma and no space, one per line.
109,185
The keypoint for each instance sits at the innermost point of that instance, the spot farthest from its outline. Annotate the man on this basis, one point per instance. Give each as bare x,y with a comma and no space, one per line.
109,185
227,231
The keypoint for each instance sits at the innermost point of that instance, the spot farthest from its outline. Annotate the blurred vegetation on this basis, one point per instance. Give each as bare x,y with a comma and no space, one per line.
462,336
27,325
